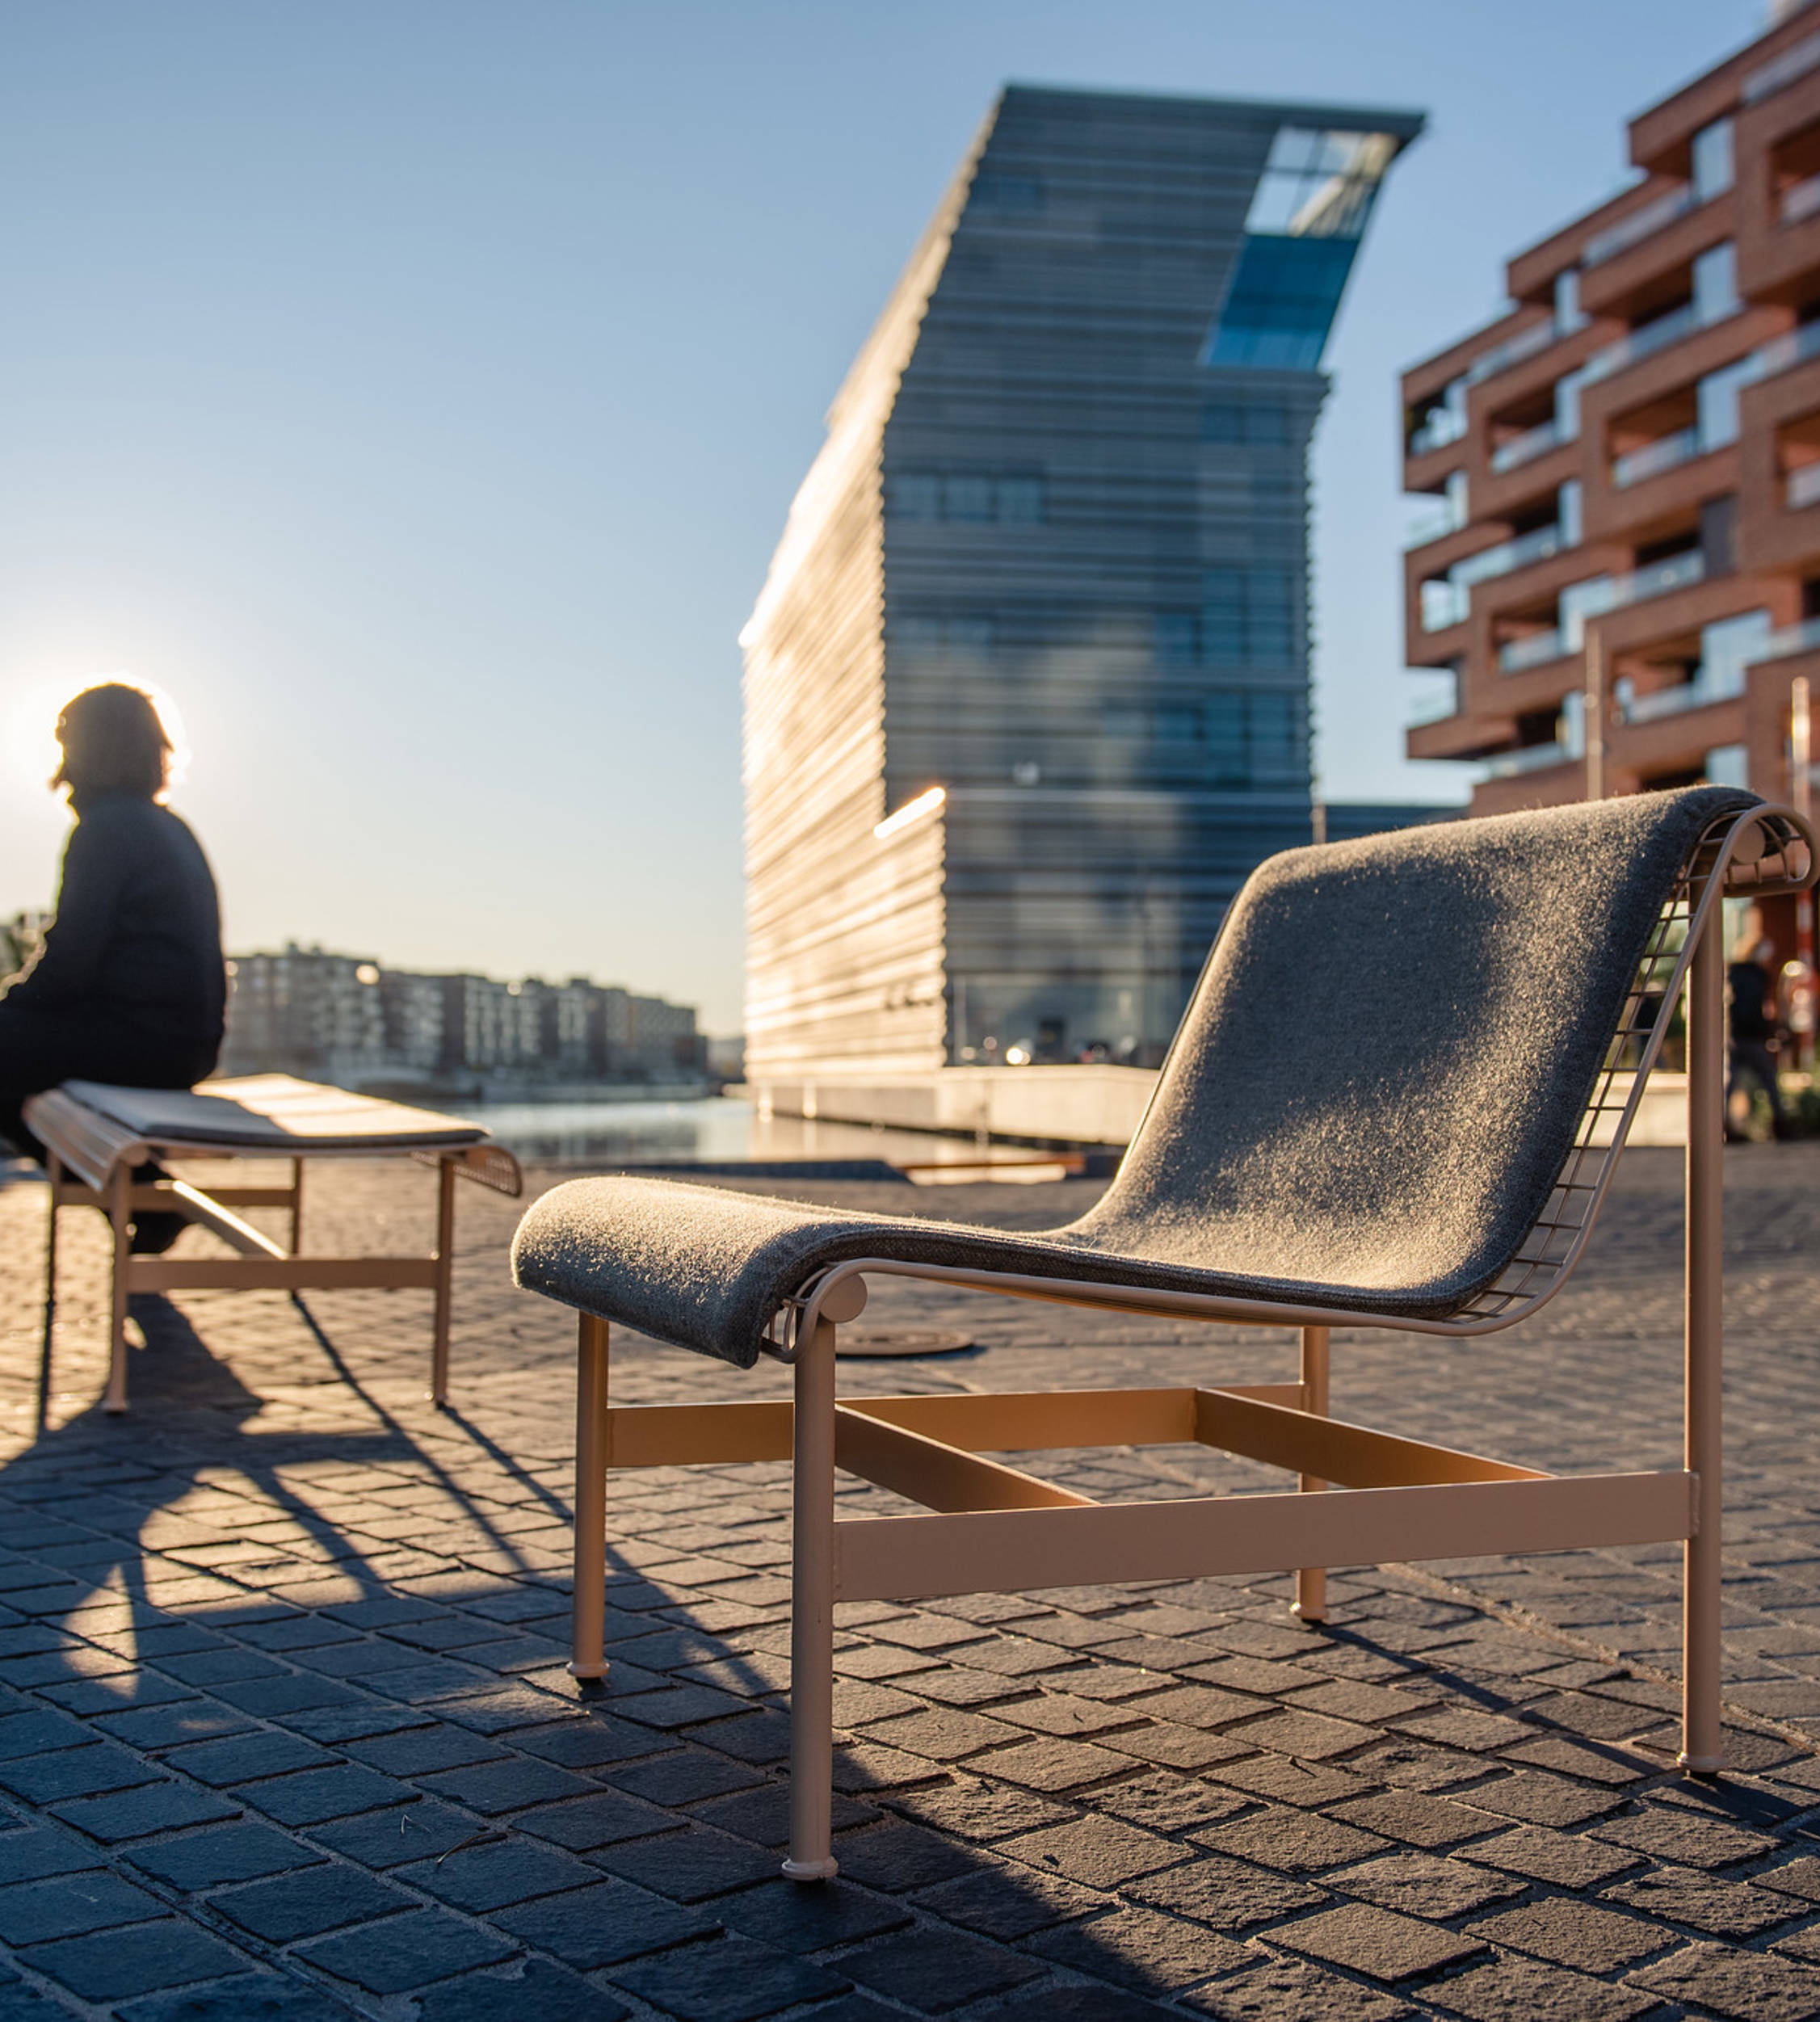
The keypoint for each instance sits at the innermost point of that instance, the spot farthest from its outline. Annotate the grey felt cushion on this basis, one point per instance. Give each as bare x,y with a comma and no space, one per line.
1368,1104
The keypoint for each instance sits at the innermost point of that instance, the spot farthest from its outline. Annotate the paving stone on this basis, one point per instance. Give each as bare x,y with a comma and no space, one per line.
132,1814
110,1965
313,1795
808,1920
1293,1991
1567,1861
506,1869
1070,2004
898,1856
167,1726
601,1923
1731,1910
402,1953
1668,1833
1542,1800
1166,1802
251,1997
1429,1822
1379,1943
1230,1895
1102,1853
223,1854
1743,1986
597,1820
549,1993
1010,1902
75,1772
401,1833
1053,1765
688,1866
30,1855
1571,1933
494,1788
1515,1989
936,1971
1296,1841
66,1905
1142,1951
968,1810
289,1906
728,1980
234,1759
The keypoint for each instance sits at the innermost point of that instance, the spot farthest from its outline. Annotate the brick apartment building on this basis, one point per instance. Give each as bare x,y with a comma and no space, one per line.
1624,576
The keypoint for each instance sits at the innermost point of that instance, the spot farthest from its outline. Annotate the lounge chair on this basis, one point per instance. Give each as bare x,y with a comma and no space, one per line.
1396,1101
94,1135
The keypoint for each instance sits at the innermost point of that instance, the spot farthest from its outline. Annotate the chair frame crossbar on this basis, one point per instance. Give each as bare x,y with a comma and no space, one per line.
987,1526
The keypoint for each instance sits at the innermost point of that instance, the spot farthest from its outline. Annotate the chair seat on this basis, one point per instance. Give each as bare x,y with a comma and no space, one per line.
705,1267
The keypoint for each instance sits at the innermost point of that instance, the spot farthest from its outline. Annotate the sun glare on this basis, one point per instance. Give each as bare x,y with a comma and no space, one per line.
28,746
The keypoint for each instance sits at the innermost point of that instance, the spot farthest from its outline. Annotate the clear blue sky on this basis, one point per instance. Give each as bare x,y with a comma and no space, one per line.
415,389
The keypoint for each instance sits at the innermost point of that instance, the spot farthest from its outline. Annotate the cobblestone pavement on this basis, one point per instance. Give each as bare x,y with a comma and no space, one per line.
284,1731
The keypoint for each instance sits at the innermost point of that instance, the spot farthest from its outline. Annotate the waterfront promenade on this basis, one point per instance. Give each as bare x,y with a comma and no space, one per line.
284,1730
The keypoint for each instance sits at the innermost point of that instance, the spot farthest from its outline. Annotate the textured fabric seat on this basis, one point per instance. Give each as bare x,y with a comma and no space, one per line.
1367,1105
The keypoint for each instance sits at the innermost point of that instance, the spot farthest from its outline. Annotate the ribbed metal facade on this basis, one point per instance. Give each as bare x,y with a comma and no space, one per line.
1053,560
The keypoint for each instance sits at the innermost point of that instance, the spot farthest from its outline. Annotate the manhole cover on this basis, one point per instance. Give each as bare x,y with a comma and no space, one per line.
883,1341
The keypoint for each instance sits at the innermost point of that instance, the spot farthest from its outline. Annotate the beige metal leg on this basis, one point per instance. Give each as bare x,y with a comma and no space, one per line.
1702,1743
53,1167
120,1209
812,1618
588,1619
297,1207
445,1265
1311,1582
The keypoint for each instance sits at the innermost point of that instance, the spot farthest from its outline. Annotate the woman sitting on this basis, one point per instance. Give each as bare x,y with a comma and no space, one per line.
129,986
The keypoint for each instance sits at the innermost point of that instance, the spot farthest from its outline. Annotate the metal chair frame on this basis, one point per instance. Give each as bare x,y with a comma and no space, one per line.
992,1528
90,1160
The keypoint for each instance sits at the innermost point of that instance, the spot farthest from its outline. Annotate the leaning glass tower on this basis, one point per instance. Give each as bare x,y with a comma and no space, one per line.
1027,686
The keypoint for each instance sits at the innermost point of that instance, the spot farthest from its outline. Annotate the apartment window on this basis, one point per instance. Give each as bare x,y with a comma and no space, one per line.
1282,301
1248,617
1715,283
1177,638
1729,765
1713,160
1567,513
1569,316
915,494
1256,423
966,498
929,632
1717,397
969,498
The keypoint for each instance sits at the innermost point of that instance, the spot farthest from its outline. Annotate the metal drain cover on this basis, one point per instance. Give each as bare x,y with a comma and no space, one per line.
867,1342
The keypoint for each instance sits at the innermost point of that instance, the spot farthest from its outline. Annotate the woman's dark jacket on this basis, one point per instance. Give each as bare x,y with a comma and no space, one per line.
136,945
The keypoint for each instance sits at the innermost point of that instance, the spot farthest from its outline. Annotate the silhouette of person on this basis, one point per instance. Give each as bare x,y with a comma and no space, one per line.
1750,980
129,986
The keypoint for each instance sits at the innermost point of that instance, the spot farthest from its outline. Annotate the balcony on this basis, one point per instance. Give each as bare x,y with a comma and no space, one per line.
1653,458
1435,707
1528,758
1512,351
1519,655
1533,442
1640,225
1791,639
1725,685
1594,597
1643,342
1490,563
1433,527
1800,201
1442,426
1783,354
1803,487
1444,603
1781,72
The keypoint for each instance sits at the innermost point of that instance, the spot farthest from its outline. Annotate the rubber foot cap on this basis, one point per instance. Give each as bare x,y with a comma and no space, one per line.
811,1870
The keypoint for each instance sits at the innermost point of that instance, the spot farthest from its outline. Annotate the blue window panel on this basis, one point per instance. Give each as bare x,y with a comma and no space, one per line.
1284,294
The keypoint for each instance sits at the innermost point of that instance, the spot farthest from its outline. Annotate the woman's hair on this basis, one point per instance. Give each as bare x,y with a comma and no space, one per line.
113,741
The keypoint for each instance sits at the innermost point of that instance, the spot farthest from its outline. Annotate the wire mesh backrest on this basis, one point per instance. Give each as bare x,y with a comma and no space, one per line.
1712,870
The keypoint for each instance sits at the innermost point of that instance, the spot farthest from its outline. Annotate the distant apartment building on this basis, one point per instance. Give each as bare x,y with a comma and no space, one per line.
1027,688
1623,576
342,1019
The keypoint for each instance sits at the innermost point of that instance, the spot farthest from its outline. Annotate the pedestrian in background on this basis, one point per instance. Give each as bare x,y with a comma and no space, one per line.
1750,985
